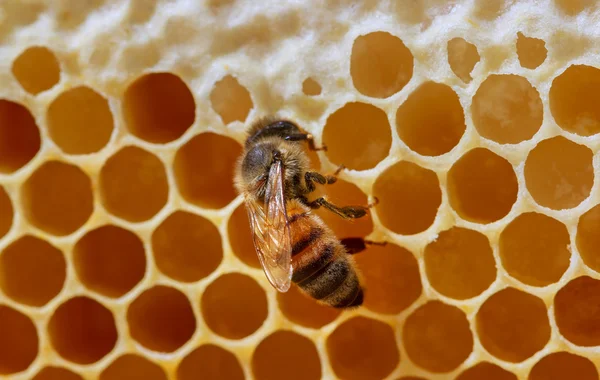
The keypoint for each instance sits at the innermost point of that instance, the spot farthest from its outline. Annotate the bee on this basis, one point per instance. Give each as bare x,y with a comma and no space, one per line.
292,243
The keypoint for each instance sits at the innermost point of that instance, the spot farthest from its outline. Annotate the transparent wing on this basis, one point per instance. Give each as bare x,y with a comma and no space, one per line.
271,232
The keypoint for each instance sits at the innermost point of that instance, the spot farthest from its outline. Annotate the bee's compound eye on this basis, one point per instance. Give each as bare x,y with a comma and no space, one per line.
255,163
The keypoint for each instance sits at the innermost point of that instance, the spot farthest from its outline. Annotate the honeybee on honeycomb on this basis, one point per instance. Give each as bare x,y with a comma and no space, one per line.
292,243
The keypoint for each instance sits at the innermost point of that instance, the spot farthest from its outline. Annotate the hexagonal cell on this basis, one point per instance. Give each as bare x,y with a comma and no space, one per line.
534,249
427,332
231,100
204,170
409,197
186,247
588,239
32,271
19,136
513,325
82,330
56,373
6,212
488,371
462,58
19,344
234,306
57,198
507,109
380,64
147,314
36,69
489,10
577,311
559,173
357,135
311,87
573,7
531,51
460,263
240,237
344,193
574,98
133,184
286,355
304,310
431,121
391,278
482,186
80,121
210,362
159,107
346,349
132,366
110,260
563,365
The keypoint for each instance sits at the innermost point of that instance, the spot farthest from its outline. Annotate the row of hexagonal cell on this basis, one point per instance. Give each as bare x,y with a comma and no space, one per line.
512,325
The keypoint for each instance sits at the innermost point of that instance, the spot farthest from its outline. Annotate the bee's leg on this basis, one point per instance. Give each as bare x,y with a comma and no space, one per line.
356,244
311,177
348,212
308,137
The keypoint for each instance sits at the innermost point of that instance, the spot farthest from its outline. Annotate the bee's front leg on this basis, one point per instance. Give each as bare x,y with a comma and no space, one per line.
308,137
355,245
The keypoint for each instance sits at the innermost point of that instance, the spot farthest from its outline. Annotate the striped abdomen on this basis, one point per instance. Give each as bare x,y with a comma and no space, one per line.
321,266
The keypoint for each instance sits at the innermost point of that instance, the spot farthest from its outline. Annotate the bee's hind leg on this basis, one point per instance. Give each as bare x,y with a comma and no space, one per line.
347,212
355,245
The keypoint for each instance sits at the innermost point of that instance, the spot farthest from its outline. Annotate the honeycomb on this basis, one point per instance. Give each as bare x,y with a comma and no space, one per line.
125,252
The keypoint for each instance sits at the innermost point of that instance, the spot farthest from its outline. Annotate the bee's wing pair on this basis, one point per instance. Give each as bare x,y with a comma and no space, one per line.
271,231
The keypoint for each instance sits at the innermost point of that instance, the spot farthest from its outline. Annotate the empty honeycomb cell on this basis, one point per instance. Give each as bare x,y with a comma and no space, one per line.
563,365
460,263
507,109
158,107
19,136
311,87
187,247
57,198
231,100
147,314
286,355
409,197
588,239
36,69
362,348
488,371
19,344
80,121
513,325
531,51
6,212
573,7
427,332
110,260
234,306
462,58
131,366
133,184
431,121
210,362
391,278
380,64
56,373
305,310
240,237
204,170
577,311
534,249
358,136
574,98
344,193
559,173
82,330
32,271
482,186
